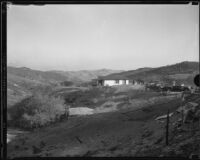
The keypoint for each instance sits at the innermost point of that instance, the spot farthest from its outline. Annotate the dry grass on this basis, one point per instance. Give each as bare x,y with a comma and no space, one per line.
37,110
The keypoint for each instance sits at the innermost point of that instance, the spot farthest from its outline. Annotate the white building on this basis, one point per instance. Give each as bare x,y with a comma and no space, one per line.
112,80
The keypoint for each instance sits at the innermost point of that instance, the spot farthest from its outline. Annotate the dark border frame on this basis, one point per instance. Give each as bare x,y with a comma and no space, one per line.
3,81
3,59
44,2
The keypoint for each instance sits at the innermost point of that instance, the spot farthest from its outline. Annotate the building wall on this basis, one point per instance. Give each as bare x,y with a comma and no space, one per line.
113,82
109,82
127,82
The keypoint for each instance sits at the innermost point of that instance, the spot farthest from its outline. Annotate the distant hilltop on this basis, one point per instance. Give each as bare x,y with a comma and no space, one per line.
21,81
183,72
56,76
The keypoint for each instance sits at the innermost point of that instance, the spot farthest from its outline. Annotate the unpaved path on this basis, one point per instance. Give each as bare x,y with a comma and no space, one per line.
105,134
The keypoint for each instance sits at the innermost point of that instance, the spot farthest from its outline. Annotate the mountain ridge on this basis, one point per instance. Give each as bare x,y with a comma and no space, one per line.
182,72
21,80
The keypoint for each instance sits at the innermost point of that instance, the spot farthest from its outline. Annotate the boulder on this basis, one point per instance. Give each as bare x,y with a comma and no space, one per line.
188,106
163,116
80,111
190,111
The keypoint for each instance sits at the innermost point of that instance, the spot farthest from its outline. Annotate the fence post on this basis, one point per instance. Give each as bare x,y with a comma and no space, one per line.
182,101
167,128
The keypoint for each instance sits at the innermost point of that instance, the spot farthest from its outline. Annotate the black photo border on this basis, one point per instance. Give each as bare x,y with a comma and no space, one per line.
3,59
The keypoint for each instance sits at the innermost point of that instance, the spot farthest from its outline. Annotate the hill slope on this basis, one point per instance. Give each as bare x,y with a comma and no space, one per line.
107,134
58,76
21,81
85,75
183,72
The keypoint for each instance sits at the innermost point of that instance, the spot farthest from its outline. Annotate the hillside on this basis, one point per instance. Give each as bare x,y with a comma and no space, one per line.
127,132
58,76
183,72
86,75
117,121
21,81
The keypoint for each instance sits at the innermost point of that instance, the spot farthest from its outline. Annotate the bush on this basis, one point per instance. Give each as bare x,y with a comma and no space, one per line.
37,111
66,83
42,89
84,98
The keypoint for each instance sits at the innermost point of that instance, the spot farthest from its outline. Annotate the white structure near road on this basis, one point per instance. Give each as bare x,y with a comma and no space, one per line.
113,80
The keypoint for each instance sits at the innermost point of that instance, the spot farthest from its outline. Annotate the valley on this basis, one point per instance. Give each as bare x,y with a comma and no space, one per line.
102,121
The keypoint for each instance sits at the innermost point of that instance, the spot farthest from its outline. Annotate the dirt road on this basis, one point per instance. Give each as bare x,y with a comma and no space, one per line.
119,133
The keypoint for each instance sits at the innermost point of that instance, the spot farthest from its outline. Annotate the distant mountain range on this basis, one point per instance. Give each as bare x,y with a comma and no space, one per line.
57,76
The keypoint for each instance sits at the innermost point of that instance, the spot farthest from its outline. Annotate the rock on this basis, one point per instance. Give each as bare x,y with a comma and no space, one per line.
163,116
194,156
95,100
80,111
36,149
188,106
190,111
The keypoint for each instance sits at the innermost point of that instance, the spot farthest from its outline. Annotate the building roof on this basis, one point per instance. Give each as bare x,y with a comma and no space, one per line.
113,77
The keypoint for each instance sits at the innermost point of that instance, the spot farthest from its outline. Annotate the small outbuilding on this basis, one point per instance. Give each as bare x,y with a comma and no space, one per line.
112,80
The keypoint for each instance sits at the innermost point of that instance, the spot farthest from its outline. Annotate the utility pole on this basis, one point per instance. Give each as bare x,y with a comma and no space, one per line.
182,101
66,111
167,128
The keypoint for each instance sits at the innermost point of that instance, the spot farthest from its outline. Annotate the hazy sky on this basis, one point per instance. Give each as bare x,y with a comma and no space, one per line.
125,37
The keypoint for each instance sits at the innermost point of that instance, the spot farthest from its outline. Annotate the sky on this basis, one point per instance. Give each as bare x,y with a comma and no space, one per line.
90,37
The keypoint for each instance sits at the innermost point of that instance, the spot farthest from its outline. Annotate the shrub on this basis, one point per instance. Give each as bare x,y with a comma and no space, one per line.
36,149
66,83
85,98
43,89
37,111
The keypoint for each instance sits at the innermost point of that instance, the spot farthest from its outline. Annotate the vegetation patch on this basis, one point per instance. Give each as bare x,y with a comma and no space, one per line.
86,98
37,111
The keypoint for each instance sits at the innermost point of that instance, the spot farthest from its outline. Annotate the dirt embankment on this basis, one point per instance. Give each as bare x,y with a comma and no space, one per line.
120,133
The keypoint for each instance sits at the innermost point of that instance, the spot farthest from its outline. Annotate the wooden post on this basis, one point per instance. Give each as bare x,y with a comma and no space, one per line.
182,116
182,113
68,111
167,128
